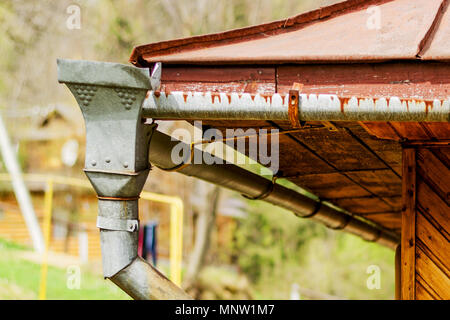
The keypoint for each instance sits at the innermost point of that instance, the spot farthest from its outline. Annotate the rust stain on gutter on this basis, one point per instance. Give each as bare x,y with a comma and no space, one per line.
216,95
420,105
312,107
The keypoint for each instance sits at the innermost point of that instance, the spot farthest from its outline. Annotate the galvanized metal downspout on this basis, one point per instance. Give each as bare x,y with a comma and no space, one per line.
110,97
238,179
121,263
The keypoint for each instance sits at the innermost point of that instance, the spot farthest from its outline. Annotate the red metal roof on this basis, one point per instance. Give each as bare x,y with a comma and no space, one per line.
439,48
344,32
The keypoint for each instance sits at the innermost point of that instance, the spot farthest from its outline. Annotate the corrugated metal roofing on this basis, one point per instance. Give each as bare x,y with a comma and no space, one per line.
345,32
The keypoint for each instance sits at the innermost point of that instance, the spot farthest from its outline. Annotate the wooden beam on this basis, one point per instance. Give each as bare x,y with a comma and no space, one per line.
408,241
398,272
393,79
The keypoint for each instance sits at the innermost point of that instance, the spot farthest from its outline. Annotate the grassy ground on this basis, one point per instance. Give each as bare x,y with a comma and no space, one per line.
19,279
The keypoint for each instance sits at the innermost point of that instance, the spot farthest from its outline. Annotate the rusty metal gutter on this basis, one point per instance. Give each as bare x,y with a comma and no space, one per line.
322,107
253,186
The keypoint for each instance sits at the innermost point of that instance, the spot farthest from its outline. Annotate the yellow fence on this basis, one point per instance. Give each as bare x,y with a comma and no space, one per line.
176,221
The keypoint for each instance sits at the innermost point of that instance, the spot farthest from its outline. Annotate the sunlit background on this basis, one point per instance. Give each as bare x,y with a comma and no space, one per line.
254,251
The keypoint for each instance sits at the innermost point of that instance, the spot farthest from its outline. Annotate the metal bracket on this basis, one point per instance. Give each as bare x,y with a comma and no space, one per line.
294,106
155,78
294,97
117,224
330,126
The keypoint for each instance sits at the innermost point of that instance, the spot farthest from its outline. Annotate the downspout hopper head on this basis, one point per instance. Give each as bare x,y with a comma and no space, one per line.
110,96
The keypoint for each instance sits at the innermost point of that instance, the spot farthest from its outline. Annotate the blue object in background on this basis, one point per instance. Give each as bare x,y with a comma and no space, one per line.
149,243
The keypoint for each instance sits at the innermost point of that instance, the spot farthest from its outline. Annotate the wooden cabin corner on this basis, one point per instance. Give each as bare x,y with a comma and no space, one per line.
425,258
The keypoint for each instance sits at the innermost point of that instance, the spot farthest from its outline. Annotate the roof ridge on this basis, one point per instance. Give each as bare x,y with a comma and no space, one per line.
251,31
425,43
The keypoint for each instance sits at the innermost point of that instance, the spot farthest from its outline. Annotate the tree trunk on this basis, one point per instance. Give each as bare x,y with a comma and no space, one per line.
205,223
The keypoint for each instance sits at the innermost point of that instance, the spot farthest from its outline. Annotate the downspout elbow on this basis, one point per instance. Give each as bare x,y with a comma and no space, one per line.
142,282
118,223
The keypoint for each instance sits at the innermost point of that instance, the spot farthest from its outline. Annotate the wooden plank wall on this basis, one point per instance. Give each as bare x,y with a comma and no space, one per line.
425,247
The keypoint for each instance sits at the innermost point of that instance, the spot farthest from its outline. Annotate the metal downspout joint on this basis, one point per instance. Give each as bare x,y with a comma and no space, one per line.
110,96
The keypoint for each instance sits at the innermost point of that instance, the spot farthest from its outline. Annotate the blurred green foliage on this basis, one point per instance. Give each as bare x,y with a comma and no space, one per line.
277,249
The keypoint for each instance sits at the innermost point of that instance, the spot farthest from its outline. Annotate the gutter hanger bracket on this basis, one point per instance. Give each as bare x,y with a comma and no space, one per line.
294,105
155,78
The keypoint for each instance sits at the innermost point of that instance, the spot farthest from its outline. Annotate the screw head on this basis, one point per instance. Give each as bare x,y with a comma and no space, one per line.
93,163
125,164
107,160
